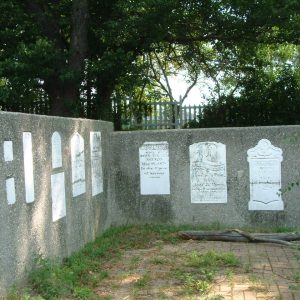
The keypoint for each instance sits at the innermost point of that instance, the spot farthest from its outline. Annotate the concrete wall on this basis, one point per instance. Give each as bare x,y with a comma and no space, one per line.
132,207
27,228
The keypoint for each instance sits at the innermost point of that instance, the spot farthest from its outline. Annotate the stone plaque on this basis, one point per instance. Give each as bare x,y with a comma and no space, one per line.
56,150
208,172
154,168
265,176
78,165
58,196
10,191
28,167
96,163
8,151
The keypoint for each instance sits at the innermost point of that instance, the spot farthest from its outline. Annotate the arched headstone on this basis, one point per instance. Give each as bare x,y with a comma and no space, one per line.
265,176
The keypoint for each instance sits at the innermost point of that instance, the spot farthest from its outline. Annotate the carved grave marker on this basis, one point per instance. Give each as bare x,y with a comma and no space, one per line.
154,168
96,162
265,176
78,165
208,172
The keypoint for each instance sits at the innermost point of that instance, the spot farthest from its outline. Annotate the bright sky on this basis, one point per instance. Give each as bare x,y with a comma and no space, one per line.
195,96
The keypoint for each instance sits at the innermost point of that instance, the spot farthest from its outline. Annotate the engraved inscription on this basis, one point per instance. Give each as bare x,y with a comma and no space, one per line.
154,168
58,196
208,173
96,163
78,165
265,176
56,150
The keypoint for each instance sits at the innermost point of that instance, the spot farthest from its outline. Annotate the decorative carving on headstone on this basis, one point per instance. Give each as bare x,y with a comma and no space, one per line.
265,176
96,162
56,150
28,167
78,165
208,172
154,168
8,151
58,196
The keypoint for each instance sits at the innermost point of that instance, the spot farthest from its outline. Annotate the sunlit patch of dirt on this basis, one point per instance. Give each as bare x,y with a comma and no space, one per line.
161,272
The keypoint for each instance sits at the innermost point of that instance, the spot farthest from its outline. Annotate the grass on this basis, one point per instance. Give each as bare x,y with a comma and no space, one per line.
78,275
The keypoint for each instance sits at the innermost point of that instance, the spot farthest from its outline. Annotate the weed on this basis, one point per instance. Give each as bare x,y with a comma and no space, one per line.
159,261
296,276
194,285
214,297
142,282
212,259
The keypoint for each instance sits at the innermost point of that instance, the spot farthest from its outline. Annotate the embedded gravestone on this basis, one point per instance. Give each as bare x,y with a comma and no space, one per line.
265,176
96,162
154,168
56,150
78,165
8,151
58,196
208,172
10,191
28,167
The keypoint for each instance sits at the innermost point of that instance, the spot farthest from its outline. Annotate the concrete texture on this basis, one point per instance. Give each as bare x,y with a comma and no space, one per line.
27,228
132,207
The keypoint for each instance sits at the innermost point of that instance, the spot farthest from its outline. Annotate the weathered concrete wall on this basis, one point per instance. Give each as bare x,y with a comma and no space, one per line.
132,207
27,225
27,229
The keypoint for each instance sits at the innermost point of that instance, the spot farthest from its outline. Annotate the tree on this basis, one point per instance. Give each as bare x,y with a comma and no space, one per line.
70,55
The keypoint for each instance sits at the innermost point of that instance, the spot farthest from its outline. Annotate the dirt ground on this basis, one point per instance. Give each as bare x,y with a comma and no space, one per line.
265,271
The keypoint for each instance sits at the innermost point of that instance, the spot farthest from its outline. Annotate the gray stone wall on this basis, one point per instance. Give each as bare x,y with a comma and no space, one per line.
29,225
176,208
27,229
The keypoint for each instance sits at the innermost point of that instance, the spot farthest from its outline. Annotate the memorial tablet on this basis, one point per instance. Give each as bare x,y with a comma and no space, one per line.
56,150
208,172
96,162
58,196
10,191
78,165
265,176
8,151
154,168
28,167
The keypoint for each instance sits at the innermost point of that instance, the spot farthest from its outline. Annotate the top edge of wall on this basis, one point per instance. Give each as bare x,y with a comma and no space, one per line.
51,117
206,129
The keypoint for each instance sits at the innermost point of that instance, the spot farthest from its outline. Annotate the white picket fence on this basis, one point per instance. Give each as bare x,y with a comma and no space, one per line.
157,115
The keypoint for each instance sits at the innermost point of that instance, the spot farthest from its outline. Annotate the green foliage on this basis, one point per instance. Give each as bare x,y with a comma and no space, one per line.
210,37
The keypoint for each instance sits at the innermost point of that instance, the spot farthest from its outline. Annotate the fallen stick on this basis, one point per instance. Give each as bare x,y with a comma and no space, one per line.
236,235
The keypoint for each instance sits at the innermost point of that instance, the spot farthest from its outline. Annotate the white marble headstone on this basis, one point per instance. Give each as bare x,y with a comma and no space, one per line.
8,151
10,190
56,150
28,167
58,196
208,172
78,165
265,176
96,162
154,168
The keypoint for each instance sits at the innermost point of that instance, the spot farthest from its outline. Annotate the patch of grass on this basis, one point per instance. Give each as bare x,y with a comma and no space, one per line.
142,282
212,259
214,297
159,261
83,271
